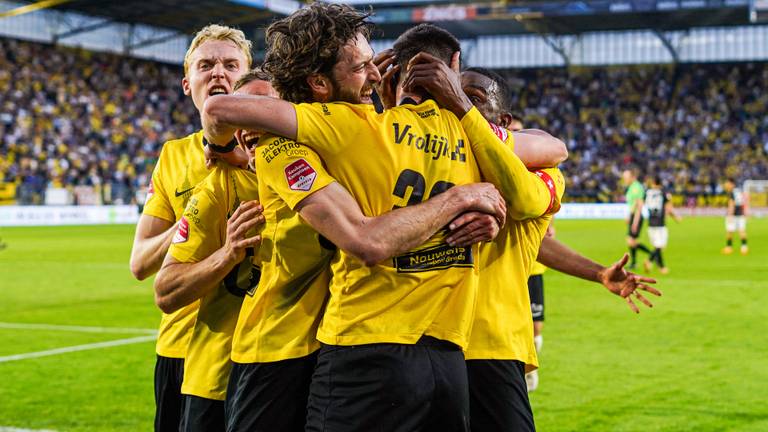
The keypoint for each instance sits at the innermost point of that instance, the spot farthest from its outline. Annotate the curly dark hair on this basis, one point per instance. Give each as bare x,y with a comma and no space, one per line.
309,41
254,74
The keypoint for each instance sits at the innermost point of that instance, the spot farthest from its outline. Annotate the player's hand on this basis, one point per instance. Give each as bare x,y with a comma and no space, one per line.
626,284
244,220
472,227
484,198
443,82
237,157
386,87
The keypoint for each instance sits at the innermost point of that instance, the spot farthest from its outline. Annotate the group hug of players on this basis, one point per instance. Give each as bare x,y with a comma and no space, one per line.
327,263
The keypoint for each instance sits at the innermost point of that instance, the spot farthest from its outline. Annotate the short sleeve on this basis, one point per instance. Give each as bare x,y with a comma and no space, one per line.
294,171
199,231
157,203
327,128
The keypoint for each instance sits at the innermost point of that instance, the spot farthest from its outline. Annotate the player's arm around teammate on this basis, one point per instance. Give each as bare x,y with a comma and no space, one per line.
526,194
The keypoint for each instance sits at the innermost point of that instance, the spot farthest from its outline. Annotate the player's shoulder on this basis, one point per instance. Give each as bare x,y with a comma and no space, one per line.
182,144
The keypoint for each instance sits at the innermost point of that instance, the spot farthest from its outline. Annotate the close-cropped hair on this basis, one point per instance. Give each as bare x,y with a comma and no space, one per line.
220,33
254,74
505,94
428,38
308,42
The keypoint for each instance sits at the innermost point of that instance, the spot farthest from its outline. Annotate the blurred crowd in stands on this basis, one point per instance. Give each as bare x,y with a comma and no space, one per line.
71,118
694,125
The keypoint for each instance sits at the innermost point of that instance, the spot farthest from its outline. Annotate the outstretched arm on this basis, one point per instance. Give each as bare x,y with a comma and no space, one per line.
615,278
334,213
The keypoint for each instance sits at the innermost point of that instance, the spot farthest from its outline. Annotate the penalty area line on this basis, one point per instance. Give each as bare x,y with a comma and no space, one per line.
75,348
84,329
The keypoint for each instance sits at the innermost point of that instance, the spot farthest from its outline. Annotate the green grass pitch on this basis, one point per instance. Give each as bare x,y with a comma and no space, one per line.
697,362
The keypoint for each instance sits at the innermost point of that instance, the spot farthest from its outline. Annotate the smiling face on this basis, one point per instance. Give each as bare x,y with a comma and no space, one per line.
484,93
214,67
354,75
248,138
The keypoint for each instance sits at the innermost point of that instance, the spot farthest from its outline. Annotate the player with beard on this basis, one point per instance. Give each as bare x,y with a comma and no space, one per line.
394,331
210,262
274,347
216,58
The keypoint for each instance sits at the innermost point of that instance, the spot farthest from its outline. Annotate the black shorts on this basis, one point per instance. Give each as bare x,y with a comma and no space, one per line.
390,387
202,415
635,234
498,396
169,405
536,293
269,396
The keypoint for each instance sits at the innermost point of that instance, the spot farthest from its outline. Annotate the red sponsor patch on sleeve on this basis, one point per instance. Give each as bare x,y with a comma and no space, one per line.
547,179
182,233
300,175
499,131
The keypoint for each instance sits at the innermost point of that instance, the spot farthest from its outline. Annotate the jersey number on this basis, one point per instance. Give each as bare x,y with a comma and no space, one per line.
417,183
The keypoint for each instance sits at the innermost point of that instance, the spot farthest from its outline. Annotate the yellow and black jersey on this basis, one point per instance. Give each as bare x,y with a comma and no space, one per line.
397,158
503,326
201,232
180,168
280,320
538,268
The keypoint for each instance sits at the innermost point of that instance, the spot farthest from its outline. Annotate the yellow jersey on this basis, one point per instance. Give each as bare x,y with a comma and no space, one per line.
179,169
538,268
280,320
202,231
397,158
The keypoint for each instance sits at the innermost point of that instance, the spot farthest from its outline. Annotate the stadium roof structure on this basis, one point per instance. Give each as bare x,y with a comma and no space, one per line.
466,19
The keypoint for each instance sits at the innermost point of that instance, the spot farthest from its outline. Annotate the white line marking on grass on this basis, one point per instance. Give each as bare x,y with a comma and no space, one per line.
75,348
84,329
13,429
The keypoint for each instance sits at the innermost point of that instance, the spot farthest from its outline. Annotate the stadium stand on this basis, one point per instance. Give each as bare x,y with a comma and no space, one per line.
93,123
71,118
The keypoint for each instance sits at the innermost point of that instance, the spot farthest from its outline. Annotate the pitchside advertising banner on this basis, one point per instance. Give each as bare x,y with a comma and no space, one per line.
68,215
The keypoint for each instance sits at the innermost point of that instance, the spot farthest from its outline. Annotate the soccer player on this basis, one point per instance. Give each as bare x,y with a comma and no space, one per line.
736,217
210,261
634,197
499,403
394,331
659,206
216,58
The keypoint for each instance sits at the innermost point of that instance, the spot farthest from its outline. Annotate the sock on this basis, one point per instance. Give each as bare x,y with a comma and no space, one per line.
743,242
659,259
643,248
538,341
653,256
729,242
632,256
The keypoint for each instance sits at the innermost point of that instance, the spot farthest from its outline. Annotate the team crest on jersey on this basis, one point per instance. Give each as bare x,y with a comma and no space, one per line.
300,175
150,191
182,233
499,131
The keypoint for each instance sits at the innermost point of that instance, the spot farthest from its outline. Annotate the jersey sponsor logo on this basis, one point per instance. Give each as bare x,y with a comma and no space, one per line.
430,143
552,207
182,193
282,145
182,233
499,131
434,258
326,111
300,175
428,113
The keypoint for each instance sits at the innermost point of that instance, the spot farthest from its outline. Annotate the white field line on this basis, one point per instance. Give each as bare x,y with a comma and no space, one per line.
75,348
84,329
13,429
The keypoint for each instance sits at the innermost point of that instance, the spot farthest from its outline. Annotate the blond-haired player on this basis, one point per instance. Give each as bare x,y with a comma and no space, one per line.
216,58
